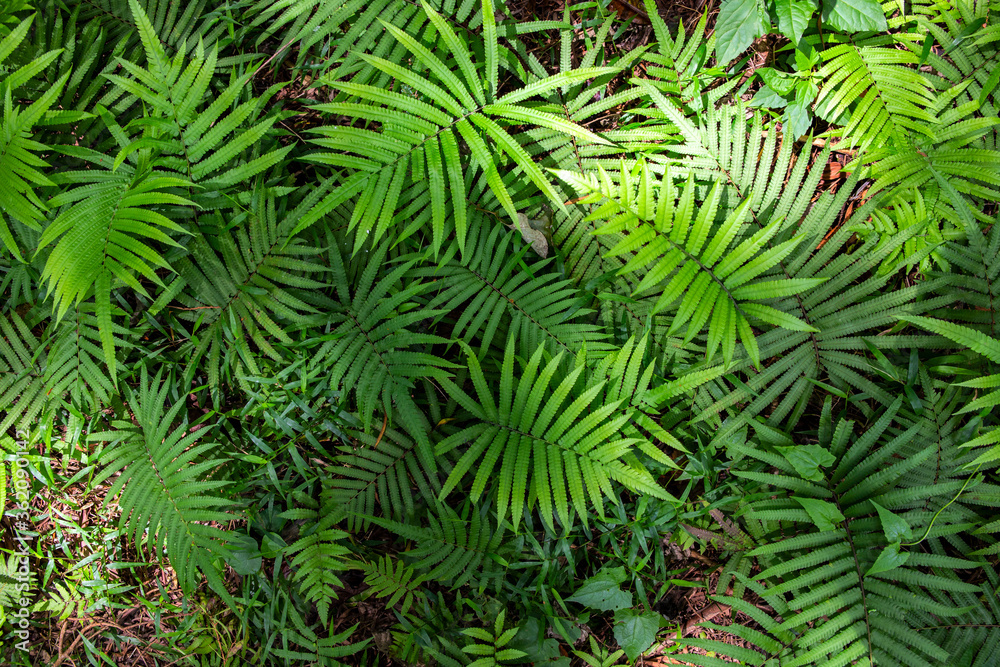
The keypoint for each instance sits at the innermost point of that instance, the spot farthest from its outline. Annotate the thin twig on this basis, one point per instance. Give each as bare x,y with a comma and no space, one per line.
273,56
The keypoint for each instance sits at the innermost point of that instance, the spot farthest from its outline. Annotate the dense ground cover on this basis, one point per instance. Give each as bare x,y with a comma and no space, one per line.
396,332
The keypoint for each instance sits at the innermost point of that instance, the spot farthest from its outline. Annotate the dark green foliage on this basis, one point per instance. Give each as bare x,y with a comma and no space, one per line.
469,316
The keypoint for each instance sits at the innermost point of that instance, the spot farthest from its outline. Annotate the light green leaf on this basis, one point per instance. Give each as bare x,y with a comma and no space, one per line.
854,15
896,528
793,17
603,591
769,99
807,460
778,81
799,115
824,514
889,559
635,632
738,24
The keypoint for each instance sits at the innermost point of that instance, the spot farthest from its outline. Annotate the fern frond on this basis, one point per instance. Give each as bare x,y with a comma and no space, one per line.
552,438
74,363
455,548
18,160
370,342
399,583
946,165
24,393
847,310
715,279
968,69
165,486
417,145
678,59
877,76
332,36
630,382
244,283
318,555
971,338
66,599
311,647
975,277
102,237
202,142
12,581
491,292
180,28
854,595
385,470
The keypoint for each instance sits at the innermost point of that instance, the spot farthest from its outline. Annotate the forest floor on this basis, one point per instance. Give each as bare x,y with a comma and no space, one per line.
149,617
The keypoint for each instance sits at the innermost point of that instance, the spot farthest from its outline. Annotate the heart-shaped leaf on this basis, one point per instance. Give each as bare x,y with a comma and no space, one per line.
890,558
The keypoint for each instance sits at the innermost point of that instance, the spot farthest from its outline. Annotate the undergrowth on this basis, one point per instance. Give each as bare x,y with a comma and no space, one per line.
397,332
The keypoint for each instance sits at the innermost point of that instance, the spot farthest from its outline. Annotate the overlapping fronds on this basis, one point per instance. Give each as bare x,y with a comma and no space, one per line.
874,83
382,470
854,584
371,345
547,433
243,282
19,202
493,291
411,167
166,491
454,548
701,269
23,392
203,141
470,321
